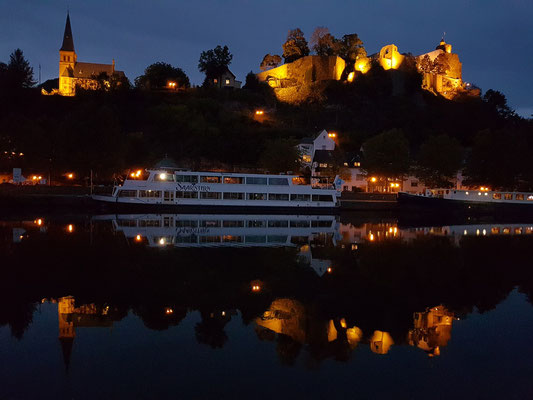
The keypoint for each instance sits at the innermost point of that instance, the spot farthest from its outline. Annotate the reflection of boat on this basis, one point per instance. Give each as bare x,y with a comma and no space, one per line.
213,189
470,199
195,230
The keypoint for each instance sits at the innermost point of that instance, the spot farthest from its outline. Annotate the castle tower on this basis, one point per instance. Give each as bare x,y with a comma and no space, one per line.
67,61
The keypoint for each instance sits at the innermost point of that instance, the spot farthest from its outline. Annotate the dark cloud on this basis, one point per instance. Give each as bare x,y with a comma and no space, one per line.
493,38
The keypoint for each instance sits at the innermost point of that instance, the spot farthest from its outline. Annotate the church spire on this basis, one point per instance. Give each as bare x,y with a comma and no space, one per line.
68,41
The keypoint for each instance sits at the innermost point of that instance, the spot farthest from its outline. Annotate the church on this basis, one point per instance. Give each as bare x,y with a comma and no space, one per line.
74,74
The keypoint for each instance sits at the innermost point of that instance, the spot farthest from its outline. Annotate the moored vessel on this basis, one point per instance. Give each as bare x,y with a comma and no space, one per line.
188,189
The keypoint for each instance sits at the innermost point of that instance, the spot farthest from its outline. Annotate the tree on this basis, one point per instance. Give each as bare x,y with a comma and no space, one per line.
498,102
213,63
159,74
425,64
439,160
324,43
270,61
441,65
280,155
386,154
351,49
19,73
295,46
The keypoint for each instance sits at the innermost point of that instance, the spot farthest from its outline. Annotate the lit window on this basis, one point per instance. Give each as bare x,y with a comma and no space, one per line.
257,196
519,197
497,196
306,158
233,180
227,81
356,164
215,80
210,179
530,198
323,165
508,196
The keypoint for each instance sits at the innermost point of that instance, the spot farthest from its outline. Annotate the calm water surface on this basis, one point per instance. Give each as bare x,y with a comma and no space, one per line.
259,306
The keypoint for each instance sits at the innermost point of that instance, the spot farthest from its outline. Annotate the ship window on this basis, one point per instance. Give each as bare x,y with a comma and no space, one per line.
519,197
256,224
321,224
278,224
210,224
530,198
210,179
127,193
496,196
187,239
279,196
187,178
298,180
186,195
234,179
278,181
495,230
300,224
255,239
256,181
186,224
322,197
164,177
300,197
233,224
231,238
276,239
150,193
257,196
209,239
211,195
233,196
508,196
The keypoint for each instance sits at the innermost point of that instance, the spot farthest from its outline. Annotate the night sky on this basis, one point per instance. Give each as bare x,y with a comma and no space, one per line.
494,39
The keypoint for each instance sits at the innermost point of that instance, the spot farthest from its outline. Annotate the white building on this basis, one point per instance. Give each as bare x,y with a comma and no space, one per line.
308,147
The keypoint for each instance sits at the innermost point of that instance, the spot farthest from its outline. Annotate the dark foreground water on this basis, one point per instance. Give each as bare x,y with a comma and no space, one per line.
251,306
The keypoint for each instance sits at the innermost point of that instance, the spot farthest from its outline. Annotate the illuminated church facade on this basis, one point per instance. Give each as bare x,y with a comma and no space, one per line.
74,74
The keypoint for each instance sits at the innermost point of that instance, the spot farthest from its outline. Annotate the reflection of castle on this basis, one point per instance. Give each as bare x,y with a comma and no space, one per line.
71,317
432,329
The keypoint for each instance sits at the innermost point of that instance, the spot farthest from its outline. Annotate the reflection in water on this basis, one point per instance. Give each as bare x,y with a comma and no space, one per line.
432,329
311,284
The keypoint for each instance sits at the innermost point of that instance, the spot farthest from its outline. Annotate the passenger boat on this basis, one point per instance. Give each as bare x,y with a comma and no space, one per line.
481,199
224,190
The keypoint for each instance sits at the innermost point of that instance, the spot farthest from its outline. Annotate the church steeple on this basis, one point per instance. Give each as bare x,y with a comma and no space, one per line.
68,41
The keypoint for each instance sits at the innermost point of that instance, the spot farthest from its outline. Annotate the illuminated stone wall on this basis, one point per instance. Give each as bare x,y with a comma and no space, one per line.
294,82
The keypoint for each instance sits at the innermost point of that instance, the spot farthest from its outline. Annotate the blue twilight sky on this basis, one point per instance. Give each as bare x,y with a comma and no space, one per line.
494,39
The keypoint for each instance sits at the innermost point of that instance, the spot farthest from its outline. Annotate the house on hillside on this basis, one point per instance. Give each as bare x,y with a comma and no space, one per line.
227,80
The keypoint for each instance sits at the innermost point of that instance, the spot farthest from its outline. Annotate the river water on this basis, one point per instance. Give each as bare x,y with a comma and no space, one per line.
264,306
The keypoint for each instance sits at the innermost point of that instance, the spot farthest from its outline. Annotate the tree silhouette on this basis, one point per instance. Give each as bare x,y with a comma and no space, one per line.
18,73
295,46
159,74
213,63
